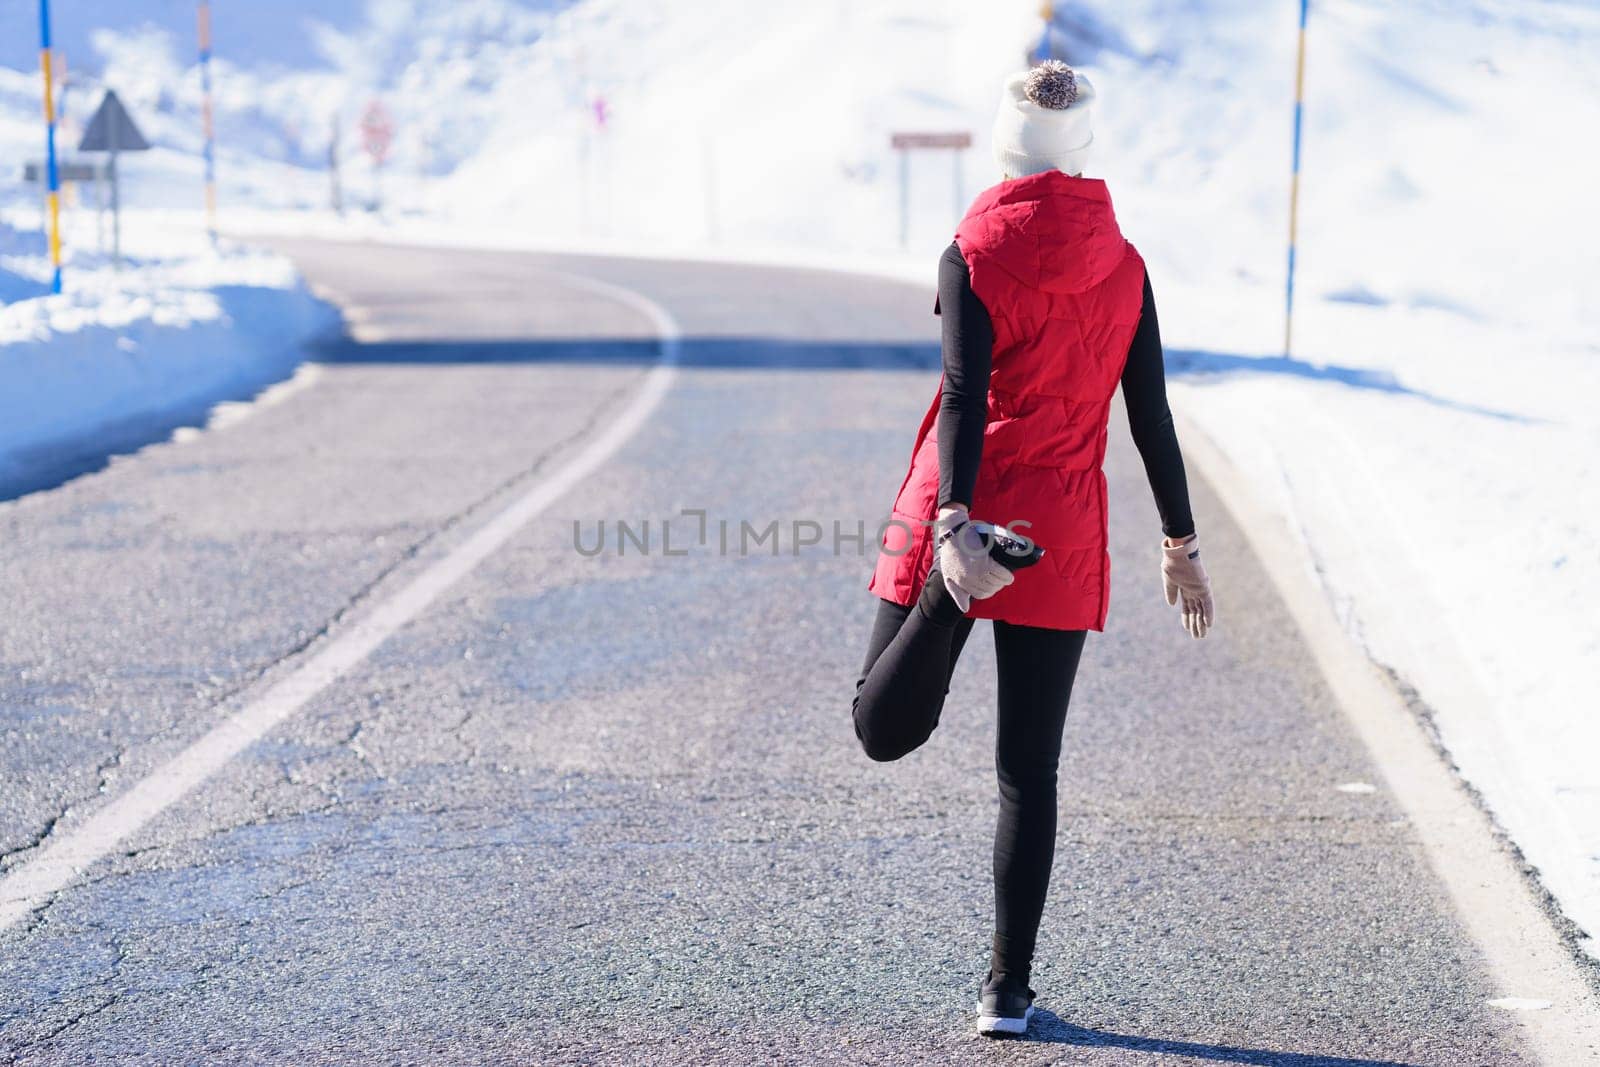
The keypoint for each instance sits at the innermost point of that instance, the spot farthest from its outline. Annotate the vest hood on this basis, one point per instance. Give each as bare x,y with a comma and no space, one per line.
1049,231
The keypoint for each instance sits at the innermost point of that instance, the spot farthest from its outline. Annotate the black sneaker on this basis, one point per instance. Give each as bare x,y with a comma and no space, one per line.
1005,1006
1011,551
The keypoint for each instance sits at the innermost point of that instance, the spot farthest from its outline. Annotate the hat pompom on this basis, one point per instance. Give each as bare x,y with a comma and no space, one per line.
1052,84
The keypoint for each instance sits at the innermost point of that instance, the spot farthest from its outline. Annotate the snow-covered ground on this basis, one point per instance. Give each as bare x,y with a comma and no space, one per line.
116,353
1433,437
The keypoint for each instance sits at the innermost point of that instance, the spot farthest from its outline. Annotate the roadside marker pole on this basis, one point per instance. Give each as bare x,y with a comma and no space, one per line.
1294,180
958,185
52,175
204,17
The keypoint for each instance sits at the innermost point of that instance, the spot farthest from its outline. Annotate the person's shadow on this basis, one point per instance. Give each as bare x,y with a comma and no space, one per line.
1049,1027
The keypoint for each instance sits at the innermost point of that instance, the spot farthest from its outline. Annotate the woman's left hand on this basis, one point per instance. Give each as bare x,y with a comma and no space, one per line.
1184,577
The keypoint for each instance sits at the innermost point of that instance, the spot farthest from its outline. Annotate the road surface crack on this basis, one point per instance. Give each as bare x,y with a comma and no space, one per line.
110,997
38,838
44,833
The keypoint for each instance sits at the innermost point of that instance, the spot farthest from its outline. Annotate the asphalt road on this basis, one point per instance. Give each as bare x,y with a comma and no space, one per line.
609,809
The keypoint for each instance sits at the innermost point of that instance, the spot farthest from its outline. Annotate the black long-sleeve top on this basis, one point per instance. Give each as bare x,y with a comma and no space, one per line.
964,400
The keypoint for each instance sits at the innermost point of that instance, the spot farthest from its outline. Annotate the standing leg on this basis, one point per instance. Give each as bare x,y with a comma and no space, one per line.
1036,668
910,658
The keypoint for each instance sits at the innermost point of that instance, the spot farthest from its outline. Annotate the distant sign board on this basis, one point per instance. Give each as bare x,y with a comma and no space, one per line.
34,171
958,140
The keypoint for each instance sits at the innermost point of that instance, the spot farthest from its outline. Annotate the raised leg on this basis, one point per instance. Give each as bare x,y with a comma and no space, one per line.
910,657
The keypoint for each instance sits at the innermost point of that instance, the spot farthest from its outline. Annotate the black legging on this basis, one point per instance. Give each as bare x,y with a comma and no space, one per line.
910,658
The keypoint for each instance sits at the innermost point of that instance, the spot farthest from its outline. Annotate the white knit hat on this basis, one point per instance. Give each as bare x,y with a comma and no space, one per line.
1043,122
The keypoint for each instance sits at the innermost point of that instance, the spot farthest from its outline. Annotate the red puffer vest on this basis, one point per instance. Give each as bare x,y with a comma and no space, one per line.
1064,290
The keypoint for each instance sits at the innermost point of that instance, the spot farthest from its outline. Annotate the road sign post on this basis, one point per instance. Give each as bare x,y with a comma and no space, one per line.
957,184
112,131
100,199
336,191
69,174
52,179
905,198
905,143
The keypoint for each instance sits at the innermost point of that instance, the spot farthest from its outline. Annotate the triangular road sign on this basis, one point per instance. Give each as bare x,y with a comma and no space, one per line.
112,130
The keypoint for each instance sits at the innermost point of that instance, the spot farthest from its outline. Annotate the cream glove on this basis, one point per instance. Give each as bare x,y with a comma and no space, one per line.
1185,577
964,561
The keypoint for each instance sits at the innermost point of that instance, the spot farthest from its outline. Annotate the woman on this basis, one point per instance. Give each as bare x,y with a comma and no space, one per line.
1046,308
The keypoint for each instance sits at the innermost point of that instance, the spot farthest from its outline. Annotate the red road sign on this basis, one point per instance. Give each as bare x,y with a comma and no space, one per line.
377,131
960,139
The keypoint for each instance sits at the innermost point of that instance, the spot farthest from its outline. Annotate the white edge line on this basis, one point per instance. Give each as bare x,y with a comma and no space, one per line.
31,883
1525,956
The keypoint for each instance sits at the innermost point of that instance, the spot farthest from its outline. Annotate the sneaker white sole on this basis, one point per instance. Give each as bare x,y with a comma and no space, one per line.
994,1024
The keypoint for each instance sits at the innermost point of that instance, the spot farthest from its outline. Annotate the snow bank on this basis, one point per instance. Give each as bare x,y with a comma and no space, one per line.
169,334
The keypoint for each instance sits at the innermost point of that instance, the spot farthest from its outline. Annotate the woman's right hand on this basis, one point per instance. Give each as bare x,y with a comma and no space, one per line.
970,573
1184,578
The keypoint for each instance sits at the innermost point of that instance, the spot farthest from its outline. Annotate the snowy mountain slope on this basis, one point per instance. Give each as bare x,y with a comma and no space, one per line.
732,122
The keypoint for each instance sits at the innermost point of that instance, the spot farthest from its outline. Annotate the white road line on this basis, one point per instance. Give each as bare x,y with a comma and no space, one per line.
65,854
1536,973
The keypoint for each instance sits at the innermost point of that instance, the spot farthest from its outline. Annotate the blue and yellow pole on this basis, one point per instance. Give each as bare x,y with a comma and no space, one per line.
204,17
52,174
1294,179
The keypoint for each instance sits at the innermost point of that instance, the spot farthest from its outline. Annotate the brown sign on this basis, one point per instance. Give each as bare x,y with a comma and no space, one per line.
66,170
903,141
